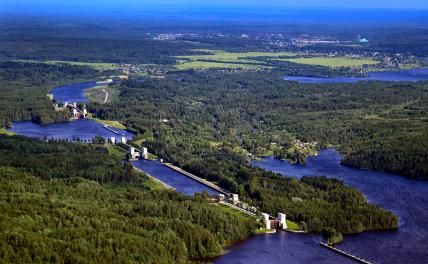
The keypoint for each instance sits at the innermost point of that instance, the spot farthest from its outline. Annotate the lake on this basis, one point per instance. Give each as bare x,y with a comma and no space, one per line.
405,197
83,129
173,178
72,92
411,75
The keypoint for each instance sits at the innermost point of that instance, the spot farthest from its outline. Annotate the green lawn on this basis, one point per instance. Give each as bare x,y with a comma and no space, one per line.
111,123
4,131
333,62
117,152
292,225
234,211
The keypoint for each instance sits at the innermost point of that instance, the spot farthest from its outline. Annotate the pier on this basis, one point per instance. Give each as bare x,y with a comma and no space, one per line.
349,255
198,179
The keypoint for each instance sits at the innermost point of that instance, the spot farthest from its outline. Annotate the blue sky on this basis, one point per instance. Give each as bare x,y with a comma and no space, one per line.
412,4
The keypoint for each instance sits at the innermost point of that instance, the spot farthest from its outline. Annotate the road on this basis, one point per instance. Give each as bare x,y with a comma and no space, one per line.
106,98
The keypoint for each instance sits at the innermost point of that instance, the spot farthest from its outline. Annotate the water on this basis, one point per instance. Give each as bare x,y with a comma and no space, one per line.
72,92
405,197
412,75
173,178
83,129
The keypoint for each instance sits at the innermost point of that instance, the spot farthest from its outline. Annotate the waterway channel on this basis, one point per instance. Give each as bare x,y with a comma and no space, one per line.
72,92
407,198
411,75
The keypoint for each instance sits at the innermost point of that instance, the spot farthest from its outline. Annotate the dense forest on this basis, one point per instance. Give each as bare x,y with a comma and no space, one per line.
376,125
60,207
211,119
24,88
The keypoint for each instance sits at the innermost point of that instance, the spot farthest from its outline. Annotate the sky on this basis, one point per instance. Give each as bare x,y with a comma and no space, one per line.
408,4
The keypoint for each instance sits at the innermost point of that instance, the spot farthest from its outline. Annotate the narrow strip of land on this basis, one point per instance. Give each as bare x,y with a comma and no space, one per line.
106,98
196,178
349,255
155,179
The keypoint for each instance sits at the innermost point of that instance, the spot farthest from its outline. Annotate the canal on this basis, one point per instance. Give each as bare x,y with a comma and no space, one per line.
407,198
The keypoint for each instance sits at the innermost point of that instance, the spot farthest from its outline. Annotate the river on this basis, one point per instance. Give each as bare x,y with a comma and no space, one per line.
72,92
411,75
83,129
405,197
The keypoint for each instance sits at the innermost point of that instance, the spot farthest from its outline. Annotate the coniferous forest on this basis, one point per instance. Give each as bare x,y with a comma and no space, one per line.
69,202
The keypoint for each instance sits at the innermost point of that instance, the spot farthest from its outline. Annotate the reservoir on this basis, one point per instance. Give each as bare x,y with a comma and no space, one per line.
83,129
72,92
405,197
412,75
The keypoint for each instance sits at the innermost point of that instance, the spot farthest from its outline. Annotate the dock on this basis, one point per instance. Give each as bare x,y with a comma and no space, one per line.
113,131
349,255
198,179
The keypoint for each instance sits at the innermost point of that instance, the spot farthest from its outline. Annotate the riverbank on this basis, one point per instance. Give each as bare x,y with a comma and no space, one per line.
112,123
4,131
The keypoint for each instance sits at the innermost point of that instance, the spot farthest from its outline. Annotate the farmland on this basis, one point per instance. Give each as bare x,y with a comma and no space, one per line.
334,62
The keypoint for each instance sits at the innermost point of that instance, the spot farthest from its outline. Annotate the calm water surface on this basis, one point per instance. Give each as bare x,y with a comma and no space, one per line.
84,129
72,92
175,179
412,75
407,198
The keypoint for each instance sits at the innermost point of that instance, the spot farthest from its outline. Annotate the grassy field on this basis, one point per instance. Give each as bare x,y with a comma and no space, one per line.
234,211
96,65
224,56
4,131
204,65
117,152
97,95
292,225
111,123
223,59
332,62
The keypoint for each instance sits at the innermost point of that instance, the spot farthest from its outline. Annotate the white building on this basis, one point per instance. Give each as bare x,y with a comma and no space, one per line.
134,154
113,140
144,153
266,219
282,221
235,198
123,140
